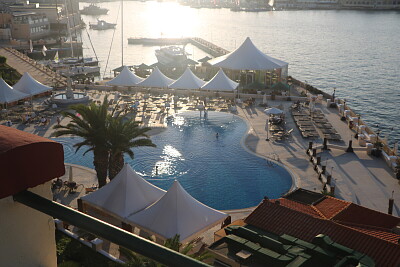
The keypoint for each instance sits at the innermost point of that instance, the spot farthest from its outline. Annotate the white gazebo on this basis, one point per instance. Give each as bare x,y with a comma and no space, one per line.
220,82
125,78
177,212
8,94
28,85
247,57
124,195
187,81
156,79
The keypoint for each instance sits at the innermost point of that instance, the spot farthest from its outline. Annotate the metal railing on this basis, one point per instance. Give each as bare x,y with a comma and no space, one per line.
107,231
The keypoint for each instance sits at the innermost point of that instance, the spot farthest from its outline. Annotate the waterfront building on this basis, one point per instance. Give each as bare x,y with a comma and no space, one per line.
57,14
370,4
248,64
337,4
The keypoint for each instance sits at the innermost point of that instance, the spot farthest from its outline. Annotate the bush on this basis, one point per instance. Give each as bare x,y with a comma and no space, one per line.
71,253
3,60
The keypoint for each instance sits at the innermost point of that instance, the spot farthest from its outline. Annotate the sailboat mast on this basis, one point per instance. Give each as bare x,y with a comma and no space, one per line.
122,32
69,28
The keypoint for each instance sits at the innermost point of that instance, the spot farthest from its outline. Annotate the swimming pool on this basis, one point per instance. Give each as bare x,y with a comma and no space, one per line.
216,171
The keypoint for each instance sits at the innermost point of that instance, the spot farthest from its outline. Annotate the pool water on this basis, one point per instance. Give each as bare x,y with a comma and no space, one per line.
64,96
216,171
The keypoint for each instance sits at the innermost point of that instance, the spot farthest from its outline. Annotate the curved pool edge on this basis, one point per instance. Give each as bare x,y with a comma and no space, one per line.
293,175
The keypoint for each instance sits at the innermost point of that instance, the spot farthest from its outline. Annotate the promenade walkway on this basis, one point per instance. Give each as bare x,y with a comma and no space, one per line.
23,63
358,177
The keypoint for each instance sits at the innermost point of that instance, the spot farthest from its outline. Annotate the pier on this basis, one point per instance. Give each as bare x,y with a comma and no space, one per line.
202,44
23,63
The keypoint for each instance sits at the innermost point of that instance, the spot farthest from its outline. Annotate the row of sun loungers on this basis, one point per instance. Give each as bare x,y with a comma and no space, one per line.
314,124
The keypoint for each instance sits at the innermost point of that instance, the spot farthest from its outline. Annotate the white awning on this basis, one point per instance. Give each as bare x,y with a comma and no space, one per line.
28,85
247,57
9,95
177,212
125,78
124,195
273,111
156,79
220,82
188,81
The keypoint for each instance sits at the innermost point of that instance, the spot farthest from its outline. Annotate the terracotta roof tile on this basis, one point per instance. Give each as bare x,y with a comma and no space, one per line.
356,214
304,208
331,206
378,233
279,220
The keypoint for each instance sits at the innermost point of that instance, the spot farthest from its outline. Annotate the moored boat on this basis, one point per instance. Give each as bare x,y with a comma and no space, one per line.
102,25
171,54
94,10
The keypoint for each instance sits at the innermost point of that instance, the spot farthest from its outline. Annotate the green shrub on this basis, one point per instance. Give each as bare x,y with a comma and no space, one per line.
3,60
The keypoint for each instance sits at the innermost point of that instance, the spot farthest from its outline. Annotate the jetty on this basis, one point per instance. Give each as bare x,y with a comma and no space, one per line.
202,44
23,63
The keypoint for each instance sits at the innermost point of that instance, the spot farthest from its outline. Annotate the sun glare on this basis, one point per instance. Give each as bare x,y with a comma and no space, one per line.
168,20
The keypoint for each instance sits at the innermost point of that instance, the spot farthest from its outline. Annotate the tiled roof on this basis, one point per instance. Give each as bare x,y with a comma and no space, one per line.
377,232
278,219
356,214
304,208
330,206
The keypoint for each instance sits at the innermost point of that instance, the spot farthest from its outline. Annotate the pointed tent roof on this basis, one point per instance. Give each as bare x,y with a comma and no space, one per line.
28,85
187,81
125,78
220,82
156,79
177,212
9,95
247,57
124,195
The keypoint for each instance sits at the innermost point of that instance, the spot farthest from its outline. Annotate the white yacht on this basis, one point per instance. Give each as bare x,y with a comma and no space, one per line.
171,54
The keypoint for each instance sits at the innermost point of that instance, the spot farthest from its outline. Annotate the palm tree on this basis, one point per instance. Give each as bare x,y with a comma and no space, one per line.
90,123
123,135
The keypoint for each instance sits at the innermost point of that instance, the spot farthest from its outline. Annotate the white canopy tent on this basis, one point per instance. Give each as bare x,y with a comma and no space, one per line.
187,81
125,78
126,194
247,57
177,212
9,95
220,82
28,85
156,79
273,111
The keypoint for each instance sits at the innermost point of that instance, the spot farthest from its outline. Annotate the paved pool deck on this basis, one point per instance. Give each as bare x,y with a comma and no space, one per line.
358,177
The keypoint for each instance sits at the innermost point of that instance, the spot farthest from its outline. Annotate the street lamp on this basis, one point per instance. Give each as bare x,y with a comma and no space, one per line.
289,82
334,94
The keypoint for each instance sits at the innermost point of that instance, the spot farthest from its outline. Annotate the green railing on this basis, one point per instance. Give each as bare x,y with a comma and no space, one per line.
107,231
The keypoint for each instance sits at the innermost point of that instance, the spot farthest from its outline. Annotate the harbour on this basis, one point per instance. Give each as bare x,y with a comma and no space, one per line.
297,110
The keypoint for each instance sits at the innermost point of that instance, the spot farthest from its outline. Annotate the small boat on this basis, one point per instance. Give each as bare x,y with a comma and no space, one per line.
94,10
102,25
171,54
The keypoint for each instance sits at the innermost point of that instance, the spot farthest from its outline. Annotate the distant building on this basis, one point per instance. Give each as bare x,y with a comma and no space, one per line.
304,219
58,15
370,4
337,4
